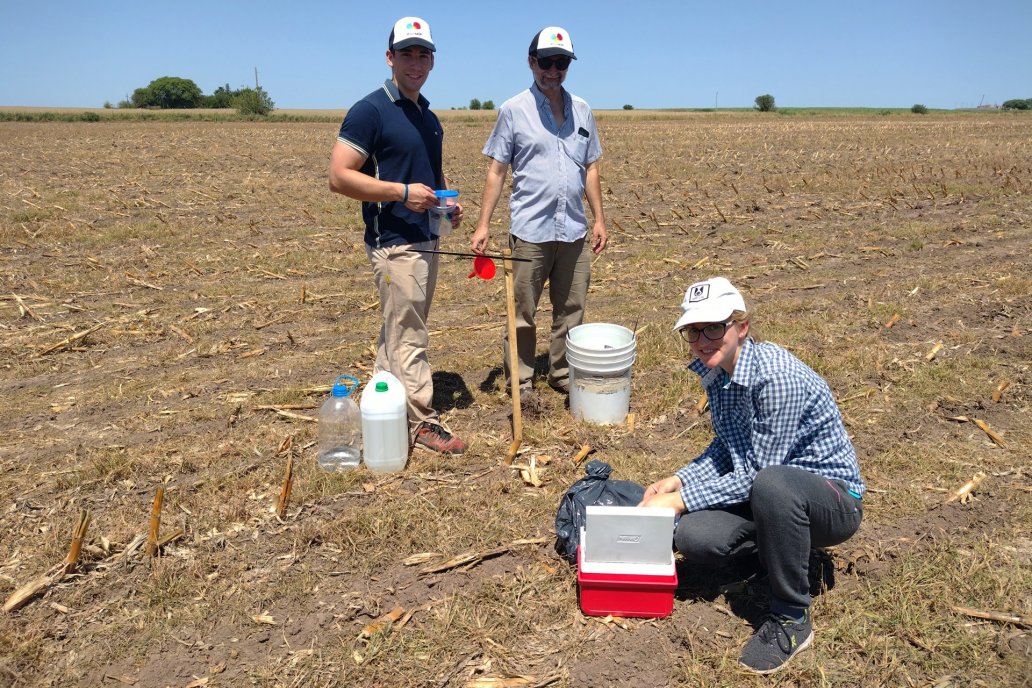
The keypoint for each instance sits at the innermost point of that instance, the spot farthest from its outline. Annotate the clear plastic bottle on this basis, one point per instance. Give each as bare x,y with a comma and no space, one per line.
441,214
340,428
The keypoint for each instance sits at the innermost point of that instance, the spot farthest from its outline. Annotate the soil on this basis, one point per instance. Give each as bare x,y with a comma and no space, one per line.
228,288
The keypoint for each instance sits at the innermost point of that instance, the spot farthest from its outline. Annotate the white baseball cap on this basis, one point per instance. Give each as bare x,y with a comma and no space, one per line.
710,301
409,31
552,40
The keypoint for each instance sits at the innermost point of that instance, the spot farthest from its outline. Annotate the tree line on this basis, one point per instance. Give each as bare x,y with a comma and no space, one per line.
1017,104
173,92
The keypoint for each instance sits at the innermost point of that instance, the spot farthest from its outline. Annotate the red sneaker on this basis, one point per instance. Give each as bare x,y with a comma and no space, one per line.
436,438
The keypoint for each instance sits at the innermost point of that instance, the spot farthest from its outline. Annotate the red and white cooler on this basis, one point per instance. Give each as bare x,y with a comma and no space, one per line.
625,562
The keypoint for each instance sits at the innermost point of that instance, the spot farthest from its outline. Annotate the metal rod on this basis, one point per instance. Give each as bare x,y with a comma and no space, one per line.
468,255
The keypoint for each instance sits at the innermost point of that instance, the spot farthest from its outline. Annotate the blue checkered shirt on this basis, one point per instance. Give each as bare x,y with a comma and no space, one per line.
773,410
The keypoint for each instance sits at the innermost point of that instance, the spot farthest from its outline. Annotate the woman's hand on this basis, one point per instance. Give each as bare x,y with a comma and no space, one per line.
665,493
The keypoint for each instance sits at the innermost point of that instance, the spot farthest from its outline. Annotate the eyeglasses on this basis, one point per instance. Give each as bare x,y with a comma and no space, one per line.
545,63
713,331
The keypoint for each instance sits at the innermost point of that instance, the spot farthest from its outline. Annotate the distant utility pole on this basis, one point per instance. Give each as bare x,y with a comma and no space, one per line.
256,78
716,100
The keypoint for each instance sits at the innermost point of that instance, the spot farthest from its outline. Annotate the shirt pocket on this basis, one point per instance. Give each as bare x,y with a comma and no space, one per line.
577,148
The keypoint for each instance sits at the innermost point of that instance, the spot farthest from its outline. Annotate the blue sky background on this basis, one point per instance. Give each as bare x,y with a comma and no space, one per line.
876,53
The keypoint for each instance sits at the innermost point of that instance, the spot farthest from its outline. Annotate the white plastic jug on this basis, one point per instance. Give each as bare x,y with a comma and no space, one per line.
385,438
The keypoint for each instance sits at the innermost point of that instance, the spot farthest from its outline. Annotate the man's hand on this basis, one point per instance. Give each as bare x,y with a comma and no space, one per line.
599,238
456,215
478,242
420,197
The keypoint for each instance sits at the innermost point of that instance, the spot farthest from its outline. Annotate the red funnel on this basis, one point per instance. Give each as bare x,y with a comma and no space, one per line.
483,267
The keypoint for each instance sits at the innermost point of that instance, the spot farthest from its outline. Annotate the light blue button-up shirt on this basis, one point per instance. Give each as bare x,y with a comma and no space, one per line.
549,164
774,410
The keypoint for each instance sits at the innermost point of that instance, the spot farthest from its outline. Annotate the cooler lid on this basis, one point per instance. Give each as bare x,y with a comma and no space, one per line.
628,534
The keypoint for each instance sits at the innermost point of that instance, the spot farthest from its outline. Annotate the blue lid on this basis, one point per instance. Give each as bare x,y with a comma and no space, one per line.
446,193
341,389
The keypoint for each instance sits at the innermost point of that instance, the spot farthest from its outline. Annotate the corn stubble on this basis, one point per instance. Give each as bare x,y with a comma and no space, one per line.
178,296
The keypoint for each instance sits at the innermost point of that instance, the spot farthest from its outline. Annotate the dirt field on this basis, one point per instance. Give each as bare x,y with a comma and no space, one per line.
176,299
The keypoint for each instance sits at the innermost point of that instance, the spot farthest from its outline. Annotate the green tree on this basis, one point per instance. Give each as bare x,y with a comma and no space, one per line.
221,98
175,92
919,109
142,97
474,104
628,106
1017,104
765,103
488,105
253,101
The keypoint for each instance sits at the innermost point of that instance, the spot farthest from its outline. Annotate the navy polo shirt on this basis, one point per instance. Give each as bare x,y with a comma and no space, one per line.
402,142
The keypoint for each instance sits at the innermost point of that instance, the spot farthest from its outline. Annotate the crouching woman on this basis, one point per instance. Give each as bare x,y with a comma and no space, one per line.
779,478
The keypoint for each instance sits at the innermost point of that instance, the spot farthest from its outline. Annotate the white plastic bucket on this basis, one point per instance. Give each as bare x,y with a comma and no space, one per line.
385,439
600,357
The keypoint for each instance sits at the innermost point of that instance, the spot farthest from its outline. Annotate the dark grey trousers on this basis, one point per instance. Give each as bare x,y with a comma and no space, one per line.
790,511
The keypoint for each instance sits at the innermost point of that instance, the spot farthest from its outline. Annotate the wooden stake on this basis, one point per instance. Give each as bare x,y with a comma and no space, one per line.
155,523
514,358
288,485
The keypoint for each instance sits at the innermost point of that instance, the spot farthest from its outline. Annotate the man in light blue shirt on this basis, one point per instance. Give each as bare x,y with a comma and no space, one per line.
549,138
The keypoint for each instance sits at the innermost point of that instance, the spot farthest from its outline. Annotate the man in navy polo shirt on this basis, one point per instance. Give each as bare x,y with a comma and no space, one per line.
388,155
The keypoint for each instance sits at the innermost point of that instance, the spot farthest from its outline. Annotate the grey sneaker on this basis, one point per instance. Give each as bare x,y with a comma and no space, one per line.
778,640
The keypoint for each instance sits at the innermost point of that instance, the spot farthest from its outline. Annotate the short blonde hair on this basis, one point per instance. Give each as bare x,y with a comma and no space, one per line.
743,316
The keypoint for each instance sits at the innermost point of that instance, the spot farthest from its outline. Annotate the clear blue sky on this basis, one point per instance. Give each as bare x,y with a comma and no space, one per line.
667,53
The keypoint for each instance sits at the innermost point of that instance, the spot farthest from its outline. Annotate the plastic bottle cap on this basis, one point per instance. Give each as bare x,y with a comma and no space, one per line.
340,389
381,386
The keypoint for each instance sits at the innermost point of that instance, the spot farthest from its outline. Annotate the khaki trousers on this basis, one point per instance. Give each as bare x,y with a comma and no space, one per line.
567,267
406,282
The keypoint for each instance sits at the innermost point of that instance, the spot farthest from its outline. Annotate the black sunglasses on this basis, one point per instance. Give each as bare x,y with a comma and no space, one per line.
545,63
